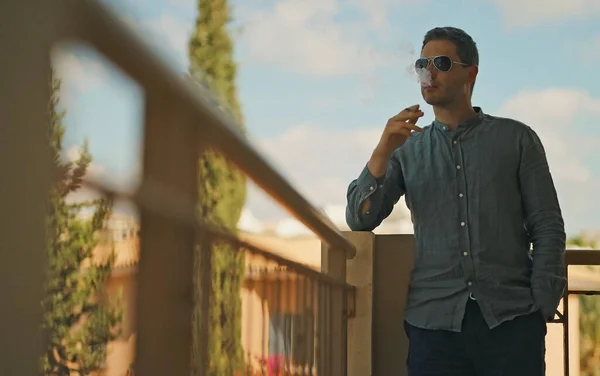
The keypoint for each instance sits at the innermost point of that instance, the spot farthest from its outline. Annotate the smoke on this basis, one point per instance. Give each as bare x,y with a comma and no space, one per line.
424,75
407,56
421,75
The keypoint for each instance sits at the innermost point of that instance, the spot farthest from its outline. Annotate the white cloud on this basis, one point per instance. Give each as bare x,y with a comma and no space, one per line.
526,12
318,162
80,73
378,11
249,223
321,161
552,114
303,36
306,36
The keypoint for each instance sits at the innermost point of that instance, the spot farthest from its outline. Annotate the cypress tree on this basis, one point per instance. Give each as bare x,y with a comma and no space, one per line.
78,323
222,190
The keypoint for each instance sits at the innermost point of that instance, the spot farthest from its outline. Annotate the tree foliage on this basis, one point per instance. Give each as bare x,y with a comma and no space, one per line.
78,322
222,191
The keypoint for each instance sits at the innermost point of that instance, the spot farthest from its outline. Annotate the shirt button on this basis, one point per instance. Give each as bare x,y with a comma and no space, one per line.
465,254
455,142
460,195
462,224
458,167
470,283
371,188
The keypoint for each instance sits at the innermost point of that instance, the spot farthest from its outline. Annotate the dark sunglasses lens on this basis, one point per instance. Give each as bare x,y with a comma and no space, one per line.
443,63
421,63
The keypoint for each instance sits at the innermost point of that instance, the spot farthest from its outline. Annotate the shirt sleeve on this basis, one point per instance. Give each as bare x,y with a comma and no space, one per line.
544,223
383,193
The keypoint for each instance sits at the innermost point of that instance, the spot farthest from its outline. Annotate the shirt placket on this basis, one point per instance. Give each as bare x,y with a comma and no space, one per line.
466,259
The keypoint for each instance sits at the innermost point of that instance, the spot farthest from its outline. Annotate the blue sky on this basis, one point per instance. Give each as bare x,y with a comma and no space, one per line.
318,79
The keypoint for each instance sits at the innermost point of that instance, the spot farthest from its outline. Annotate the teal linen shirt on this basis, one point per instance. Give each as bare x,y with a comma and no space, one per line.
480,196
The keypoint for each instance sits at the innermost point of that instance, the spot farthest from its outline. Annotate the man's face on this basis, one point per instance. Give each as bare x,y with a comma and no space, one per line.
446,87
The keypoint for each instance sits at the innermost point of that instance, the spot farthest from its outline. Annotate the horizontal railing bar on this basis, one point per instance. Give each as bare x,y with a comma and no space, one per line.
582,257
584,292
160,200
102,28
294,266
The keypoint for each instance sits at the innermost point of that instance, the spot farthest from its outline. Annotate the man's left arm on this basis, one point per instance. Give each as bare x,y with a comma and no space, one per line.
544,222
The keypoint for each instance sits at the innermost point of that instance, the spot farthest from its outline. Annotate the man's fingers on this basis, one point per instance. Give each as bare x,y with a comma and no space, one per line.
414,127
408,110
397,125
398,128
402,128
405,115
414,107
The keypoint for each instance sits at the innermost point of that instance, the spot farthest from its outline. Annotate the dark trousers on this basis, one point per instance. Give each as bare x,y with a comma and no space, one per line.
514,348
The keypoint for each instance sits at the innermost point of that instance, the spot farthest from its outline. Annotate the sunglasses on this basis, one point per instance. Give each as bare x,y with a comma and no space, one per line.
441,63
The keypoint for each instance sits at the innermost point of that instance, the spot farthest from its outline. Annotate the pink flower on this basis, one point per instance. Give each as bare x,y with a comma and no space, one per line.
275,365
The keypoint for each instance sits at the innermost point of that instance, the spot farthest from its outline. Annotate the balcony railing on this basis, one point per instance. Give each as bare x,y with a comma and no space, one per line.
180,122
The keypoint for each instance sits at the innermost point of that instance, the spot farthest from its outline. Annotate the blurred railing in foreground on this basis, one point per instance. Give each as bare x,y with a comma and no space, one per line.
294,316
179,123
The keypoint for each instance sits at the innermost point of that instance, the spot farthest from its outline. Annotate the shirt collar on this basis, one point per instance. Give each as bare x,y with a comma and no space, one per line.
465,124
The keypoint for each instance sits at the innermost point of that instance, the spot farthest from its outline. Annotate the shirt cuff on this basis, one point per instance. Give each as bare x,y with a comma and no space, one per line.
370,189
368,183
547,293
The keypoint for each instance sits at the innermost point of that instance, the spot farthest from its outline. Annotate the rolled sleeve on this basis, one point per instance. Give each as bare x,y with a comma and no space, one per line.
544,222
383,193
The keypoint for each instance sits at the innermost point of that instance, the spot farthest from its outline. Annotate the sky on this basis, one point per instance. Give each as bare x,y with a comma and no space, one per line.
318,79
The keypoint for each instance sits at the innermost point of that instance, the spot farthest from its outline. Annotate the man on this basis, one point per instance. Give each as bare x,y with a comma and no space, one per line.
480,194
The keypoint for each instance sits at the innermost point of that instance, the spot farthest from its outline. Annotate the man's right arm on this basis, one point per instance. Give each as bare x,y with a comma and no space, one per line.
371,198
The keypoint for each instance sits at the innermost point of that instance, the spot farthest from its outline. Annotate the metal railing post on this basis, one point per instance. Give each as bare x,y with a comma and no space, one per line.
164,297
333,315
25,39
566,340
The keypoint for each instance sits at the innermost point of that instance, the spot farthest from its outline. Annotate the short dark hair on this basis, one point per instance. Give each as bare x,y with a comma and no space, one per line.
466,48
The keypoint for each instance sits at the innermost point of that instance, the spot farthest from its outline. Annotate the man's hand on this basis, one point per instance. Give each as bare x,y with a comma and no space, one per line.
397,130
